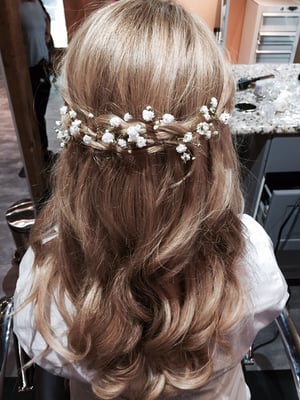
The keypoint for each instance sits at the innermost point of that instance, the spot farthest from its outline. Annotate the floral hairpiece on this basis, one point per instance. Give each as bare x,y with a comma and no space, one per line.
124,133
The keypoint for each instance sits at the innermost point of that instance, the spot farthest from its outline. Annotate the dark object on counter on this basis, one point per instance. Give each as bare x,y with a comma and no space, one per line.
22,173
246,107
244,83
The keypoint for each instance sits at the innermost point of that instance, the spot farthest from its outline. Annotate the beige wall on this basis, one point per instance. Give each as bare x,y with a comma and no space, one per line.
235,27
206,9
209,10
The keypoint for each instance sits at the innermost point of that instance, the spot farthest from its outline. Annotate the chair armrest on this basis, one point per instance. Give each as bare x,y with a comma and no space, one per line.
291,342
6,308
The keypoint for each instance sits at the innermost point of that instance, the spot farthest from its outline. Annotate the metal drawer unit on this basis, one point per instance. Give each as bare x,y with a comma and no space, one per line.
271,31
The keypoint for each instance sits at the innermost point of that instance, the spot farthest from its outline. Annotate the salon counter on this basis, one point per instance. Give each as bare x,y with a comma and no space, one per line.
277,100
268,144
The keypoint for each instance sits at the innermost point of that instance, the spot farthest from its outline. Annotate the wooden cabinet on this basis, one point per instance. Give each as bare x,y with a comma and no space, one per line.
279,203
272,187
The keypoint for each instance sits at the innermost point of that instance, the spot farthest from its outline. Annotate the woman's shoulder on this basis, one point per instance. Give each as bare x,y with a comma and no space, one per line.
258,245
24,281
265,287
253,228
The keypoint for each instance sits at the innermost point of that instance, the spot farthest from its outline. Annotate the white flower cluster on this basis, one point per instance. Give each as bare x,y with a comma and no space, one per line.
124,135
206,128
67,126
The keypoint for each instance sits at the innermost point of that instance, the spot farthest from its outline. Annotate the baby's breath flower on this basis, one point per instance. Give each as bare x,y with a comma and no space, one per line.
148,114
59,135
185,157
115,122
87,139
63,110
181,148
73,114
77,122
204,110
188,137
133,133
122,143
224,117
74,129
202,127
141,142
127,117
156,125
139,135
108,137
214,102
168,118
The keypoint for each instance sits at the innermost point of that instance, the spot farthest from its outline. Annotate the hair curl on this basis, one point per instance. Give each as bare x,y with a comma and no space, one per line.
147,246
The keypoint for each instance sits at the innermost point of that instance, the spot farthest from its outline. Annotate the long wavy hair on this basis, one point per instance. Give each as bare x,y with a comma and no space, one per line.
147,246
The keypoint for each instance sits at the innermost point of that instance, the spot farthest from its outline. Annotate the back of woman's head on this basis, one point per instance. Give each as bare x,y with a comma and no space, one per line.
137,53
147,239
130,55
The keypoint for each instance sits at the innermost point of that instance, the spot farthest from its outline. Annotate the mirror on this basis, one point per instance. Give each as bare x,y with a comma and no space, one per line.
227,16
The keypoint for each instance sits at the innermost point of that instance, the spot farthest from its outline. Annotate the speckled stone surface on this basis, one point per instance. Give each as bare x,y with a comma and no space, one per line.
277,100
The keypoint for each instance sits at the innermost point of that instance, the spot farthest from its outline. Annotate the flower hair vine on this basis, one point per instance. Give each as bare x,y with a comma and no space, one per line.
127,133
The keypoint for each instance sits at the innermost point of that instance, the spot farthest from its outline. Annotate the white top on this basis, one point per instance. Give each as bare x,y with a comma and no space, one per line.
265,297
34,20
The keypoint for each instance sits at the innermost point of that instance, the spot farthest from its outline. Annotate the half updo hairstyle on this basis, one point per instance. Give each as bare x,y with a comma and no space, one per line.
146,245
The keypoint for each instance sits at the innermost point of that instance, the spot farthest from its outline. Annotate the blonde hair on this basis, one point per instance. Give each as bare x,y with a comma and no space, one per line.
147,246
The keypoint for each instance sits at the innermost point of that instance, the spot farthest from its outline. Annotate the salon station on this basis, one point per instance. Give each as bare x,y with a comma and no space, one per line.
261,39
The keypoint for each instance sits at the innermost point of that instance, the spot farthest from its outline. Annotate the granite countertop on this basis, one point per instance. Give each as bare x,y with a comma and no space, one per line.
277,100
